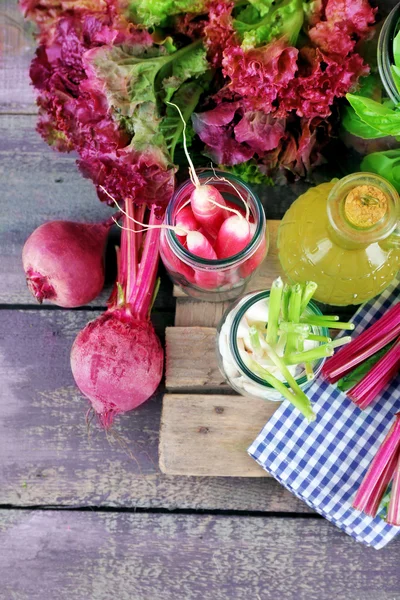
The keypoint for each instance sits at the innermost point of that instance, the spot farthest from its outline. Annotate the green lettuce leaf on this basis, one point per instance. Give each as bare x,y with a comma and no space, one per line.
154,12
386,164
187,98
249,172
130,80
354,125
262,21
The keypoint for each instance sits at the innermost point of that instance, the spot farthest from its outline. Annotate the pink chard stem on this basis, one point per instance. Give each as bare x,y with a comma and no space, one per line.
393,517
380,472
385,326
142,294
377,378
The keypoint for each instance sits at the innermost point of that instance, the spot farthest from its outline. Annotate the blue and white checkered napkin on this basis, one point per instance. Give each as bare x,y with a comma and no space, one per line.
324,462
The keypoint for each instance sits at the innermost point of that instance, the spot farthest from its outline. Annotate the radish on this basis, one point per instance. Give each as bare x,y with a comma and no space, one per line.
198,245
233,237
64,262
186,219
117,359
255,260
172,262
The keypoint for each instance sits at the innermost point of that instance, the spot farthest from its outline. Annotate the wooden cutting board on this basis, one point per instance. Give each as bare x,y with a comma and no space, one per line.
205,427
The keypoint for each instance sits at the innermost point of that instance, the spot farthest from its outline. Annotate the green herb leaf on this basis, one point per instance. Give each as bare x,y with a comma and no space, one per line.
386,164
381,117
352,123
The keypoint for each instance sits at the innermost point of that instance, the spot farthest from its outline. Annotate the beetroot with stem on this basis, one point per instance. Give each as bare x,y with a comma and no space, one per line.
117,359
64,262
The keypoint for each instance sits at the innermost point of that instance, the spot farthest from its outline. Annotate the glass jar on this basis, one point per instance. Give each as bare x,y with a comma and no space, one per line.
345,236
230,363
385,53
223,279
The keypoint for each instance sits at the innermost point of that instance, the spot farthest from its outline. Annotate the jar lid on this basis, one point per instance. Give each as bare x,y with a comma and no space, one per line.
365,205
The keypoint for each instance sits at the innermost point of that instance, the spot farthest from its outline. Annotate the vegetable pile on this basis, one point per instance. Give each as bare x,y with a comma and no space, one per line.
259,79
279,340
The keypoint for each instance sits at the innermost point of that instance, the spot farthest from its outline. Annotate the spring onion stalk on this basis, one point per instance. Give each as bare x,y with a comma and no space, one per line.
341,341
377,378
380,472
321,317
334,373
317,353
280,363
300,328
274,309
318,338
285,301
255,340
393,516
299,400
308,293
390,320
309,371
318,321
294,316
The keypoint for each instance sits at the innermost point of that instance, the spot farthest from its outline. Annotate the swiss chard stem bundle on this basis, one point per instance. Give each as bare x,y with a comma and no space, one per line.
383,469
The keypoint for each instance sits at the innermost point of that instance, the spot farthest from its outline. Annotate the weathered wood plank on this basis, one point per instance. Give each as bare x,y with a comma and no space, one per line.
191,363
47,457
75,555
270,268
17,47
190,312
213,436
38,185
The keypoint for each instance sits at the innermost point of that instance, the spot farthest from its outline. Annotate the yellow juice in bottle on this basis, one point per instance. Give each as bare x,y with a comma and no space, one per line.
343,235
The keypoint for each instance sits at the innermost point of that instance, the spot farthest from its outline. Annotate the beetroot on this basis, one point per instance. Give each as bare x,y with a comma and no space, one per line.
117,359
117,362
64,262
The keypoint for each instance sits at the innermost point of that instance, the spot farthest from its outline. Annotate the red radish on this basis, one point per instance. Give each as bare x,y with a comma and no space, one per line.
255,260
207,206
172,262
117,359
207,235
233,237
198,244
64,262
186,219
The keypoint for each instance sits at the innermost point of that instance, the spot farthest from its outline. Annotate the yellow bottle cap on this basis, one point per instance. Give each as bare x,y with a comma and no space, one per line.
365,205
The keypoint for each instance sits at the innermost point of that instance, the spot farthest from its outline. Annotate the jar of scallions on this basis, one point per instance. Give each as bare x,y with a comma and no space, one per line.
243,352
388,55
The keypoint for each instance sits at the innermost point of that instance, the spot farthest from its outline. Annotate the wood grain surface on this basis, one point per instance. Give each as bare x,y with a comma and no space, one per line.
209,435
68,555
47,456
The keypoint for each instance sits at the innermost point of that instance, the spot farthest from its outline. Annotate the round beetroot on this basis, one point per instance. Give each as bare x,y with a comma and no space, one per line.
117,362
64,262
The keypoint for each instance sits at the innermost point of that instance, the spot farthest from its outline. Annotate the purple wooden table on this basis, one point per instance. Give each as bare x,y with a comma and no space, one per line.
79,518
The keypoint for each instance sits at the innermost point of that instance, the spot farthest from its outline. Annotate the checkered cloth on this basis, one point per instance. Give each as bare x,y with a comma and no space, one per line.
324,462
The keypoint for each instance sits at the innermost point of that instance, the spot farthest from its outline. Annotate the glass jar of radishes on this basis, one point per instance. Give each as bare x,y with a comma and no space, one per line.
233,343
212,248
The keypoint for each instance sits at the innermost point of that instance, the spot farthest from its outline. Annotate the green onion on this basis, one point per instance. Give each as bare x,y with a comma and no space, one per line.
309,371
298,399
309,355
319,338
300,328
308,292
274,309
285,301
294,316
341,342
255,340
321,322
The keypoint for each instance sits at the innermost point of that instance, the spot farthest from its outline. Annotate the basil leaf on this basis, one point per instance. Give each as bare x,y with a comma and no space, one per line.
386,164
381,117
354,125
